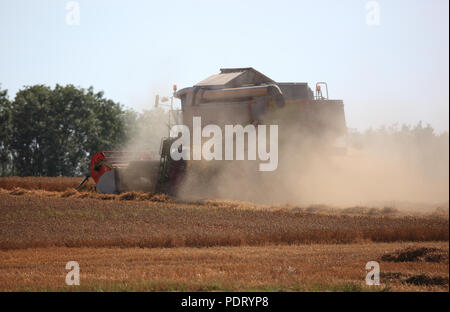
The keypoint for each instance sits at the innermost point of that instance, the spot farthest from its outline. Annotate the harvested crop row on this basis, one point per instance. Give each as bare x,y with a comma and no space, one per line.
58,184
38,221
222,203
139,196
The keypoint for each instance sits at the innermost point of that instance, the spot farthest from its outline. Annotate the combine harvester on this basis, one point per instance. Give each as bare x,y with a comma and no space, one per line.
234,96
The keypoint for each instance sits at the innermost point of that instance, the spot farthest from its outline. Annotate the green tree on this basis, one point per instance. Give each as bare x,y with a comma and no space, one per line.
55,132
29,112
5,115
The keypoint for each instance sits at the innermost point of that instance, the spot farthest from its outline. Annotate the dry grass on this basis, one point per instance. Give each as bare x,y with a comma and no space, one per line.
72,219
272,268
119,240
70,192
58,184
64,187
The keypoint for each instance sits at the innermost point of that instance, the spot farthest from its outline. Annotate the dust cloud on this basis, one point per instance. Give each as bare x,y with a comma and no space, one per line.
146,130
401,167
396,166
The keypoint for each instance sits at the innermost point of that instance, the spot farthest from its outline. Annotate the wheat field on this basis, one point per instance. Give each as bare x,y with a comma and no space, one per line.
138,241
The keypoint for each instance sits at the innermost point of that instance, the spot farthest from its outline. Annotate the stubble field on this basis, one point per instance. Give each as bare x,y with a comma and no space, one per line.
137,241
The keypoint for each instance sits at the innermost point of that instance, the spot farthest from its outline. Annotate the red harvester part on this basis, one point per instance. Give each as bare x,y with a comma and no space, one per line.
105,161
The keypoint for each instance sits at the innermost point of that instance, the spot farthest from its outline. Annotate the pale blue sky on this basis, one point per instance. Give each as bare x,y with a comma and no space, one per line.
395,72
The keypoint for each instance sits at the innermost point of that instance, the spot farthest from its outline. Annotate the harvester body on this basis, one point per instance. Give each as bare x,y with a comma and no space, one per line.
234,96
246,96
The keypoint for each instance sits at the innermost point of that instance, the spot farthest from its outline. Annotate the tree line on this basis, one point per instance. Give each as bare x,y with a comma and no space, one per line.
54,132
